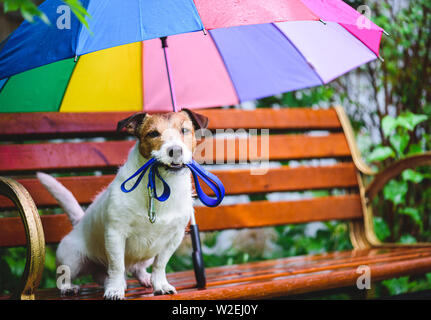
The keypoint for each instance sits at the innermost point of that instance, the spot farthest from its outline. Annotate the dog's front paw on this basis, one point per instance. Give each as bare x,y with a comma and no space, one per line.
164,289
113,293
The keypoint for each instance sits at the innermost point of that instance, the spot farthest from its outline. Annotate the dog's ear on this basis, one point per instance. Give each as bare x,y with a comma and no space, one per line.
131,123
199,121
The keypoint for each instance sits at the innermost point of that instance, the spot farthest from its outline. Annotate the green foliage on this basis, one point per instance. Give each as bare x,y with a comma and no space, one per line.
403,193
404,203
302,98
12,264
333,236
29,10
381,153
399,131
408,284
381,228
292,239
404,77
397,286
395,191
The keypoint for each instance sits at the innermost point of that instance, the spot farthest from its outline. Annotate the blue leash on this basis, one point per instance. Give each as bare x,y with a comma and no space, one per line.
197,171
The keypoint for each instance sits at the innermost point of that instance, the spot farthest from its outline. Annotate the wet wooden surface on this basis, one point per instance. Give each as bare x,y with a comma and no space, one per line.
281,277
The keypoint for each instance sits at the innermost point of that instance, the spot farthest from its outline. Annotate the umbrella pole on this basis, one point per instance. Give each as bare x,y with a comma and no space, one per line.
168,70
198,262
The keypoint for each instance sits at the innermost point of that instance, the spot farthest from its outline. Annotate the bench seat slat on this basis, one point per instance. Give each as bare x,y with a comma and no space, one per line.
281,285
275,278
111,154
58,124
85,188
310,263
247,215
286,268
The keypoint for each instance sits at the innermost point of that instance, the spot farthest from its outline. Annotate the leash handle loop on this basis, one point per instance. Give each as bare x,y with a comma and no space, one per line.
197,171
211,180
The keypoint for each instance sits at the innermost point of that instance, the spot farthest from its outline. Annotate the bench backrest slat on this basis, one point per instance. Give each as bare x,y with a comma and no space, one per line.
239,181
57,124
16,158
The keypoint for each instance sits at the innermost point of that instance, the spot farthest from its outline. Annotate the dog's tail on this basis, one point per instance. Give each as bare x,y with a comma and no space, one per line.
64,197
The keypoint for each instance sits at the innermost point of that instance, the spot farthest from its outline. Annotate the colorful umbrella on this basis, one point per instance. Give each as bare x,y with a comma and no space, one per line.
252,49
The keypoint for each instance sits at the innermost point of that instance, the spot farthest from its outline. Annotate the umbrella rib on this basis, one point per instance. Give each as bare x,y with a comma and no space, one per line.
343,25
3,83
76,61
143,74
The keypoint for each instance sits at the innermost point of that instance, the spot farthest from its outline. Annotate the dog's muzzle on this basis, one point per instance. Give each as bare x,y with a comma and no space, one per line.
174,166
175,155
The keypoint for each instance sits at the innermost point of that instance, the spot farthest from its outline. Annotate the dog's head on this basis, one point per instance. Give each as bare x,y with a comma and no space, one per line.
168,137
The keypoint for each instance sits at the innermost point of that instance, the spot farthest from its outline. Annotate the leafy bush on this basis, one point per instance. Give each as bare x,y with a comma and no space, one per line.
402,212
30,11
404,205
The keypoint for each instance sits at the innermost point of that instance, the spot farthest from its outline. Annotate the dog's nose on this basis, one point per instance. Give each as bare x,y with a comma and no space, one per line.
175,152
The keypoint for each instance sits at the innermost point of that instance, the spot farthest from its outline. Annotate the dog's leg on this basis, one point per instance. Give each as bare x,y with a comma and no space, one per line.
158,274
115,284
71,260
139,271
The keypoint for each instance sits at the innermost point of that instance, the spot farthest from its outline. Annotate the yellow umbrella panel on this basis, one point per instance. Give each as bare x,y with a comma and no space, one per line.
107,80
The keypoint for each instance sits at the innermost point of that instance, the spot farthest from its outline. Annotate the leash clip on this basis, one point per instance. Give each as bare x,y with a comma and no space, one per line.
151,209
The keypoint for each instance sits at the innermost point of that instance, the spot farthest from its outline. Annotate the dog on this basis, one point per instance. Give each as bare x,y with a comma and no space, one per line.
114,235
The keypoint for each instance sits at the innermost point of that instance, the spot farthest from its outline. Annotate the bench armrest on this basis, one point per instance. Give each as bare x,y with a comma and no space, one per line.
380,181
394,170
360,164
34,234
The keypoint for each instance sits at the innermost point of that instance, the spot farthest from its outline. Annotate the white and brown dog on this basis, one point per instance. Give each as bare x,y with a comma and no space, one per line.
114,235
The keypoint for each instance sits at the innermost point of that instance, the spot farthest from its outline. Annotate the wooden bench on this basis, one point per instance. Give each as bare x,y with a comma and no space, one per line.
289,140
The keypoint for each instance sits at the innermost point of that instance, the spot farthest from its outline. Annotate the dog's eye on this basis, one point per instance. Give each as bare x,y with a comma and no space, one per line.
153,134
185,130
